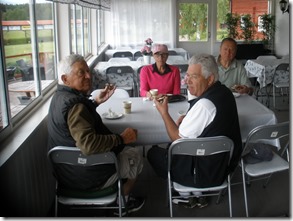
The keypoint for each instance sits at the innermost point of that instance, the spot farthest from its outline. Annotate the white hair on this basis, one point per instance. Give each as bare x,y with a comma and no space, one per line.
65,65
208,64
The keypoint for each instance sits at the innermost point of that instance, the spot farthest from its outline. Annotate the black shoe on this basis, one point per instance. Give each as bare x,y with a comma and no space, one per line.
179,199
199,202
133,204
202,202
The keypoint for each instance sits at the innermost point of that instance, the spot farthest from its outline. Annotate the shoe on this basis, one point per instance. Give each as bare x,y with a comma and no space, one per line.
199,202
133,204
179,199
202,202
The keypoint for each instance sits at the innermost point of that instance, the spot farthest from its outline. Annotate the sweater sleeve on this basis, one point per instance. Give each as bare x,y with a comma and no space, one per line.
177,81
83,132
144,86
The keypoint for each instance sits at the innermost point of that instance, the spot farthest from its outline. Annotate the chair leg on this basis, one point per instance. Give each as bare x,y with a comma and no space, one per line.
244,189
229,195
170,195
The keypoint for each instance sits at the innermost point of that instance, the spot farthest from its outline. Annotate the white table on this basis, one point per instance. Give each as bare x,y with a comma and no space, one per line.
263,69
180,51
151,129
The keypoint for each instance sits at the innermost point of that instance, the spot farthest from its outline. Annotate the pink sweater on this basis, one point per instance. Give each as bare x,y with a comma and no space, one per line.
166,84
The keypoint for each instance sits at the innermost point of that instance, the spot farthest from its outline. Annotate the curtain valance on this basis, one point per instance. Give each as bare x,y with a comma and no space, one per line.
96,4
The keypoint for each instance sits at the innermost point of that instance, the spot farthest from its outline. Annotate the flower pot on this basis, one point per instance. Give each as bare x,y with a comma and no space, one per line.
147,59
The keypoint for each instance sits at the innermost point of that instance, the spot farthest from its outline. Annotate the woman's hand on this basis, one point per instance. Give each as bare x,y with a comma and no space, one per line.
105,93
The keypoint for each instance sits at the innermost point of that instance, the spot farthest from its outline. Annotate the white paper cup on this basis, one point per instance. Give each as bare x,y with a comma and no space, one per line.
127,107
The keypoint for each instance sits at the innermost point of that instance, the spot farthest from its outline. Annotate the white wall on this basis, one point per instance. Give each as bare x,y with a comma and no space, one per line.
282,37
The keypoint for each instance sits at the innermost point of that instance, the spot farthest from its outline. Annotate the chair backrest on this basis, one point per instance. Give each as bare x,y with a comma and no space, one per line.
21,63
136,55
123,54
122,76
219,148
202,146
262,57
69,160
172,52
265,133
118,93
281,74
137,80
73,156
183,69
119,59
173,58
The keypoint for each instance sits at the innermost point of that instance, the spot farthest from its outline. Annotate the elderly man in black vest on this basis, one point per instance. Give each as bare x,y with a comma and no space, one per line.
212,112
73,121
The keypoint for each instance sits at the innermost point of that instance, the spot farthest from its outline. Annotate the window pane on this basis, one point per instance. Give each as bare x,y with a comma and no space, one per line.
86,30
78,19
223,7
252,9
193,22
24,68
45,39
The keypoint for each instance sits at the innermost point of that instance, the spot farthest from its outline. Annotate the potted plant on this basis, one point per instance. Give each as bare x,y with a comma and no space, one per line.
268,28
247,27
147,50
232,22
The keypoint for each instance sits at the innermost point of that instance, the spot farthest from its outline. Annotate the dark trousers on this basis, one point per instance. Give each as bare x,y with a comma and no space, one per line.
158,158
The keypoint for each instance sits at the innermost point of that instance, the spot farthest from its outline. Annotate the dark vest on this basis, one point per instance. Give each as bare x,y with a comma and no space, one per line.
63,100
225,123
83,178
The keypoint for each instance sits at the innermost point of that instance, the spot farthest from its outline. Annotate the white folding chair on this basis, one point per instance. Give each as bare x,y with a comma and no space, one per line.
200,147
123,77
123,54
183,69
69,166
263,168
281,80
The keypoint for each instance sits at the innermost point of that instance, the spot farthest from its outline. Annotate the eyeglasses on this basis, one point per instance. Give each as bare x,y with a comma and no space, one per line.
164,55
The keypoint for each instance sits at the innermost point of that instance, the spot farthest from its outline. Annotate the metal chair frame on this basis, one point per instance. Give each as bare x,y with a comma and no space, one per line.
73,156
277,164
124,72
203,146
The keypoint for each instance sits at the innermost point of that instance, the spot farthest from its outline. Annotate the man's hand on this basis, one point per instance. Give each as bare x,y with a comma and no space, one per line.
242,89
162,104
105,93
129,135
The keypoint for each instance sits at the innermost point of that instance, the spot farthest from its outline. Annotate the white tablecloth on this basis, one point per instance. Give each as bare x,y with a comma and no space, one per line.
263,69
151,129
180,51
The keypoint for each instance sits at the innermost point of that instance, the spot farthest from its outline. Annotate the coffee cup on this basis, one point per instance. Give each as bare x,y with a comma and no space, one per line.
127,107
154,92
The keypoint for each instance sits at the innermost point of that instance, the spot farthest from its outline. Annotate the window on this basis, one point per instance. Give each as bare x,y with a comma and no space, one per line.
249,8
133,21
193,22
80,30
27,64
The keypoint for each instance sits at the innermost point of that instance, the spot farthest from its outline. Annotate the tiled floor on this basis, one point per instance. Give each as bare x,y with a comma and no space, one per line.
273,201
